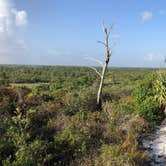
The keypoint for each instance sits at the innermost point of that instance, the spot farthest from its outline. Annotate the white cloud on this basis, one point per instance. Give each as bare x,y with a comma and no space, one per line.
154,57
12,22
146,16
20,18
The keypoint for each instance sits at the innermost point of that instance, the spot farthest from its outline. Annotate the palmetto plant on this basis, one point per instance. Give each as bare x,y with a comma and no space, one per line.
160,88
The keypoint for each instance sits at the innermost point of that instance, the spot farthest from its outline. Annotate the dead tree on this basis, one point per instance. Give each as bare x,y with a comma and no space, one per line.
104,68
108,54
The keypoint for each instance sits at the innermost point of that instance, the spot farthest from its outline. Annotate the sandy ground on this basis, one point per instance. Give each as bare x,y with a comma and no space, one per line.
156,146
159,144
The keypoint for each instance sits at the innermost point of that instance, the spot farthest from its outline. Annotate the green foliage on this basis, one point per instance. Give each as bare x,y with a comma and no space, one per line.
84,101
160,88
48,116
147,105
3,79
126,151
111,155
31,154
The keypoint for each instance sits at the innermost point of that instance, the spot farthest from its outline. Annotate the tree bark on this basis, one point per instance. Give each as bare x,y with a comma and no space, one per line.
99,94
108,54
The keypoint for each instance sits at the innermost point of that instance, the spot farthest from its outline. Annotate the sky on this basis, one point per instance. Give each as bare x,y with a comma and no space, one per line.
65,32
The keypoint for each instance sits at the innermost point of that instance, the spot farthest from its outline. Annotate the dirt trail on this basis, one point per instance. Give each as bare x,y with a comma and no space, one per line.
156,146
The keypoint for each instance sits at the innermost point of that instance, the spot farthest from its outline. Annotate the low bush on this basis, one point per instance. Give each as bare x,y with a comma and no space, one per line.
146,104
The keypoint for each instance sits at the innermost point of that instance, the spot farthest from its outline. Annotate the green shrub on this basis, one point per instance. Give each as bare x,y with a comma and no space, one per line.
111,155
146,104
151,110
84,101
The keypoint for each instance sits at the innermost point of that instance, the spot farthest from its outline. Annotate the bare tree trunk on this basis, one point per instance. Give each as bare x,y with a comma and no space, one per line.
104,66
108,55
99,94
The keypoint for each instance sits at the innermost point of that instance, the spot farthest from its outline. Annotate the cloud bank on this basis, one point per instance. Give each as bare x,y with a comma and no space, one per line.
12,26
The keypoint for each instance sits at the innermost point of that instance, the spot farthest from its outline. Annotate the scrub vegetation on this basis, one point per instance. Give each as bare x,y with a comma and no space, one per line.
49,115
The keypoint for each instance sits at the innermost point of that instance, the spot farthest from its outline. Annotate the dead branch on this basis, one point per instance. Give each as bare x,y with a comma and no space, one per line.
98,73
94,60
101,43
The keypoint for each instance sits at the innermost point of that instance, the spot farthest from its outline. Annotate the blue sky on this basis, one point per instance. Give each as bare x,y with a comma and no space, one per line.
64,32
